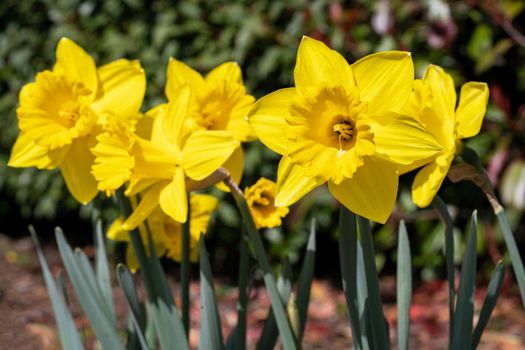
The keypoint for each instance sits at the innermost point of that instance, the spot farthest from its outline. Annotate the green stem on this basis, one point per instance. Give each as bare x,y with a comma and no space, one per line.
441,207
242,302
138,246
348,264
283,324
379,330
185,271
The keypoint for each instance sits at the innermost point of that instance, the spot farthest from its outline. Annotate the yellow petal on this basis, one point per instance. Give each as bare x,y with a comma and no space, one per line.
443,95
292,184
371,192
173,200
75,63
136,186
226,72
123,84
26,153
238,124
317,64
472,106
384,79
131,259
180,74
76,170
176,113
429,179
235,166
116,232
154,160
404,140
206,151
201,208
267,119
149,201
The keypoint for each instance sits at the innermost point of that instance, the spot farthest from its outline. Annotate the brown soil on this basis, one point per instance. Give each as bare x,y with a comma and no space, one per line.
27,322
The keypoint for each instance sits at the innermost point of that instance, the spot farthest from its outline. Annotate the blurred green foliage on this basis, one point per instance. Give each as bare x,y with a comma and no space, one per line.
473,41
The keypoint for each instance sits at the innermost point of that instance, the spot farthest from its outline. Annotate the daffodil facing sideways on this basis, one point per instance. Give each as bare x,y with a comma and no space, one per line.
163,168
342,125
167,233
261,201
433,102
64,109
219,102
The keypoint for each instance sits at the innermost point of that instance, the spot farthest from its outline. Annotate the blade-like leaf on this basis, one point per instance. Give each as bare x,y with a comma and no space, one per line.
496,281
185,270
285,330
69,337
101,263
126,283
305,281
167,325
514,254
462,331
404,287
377,319
348,264
210,323
95,311
270,331
441,207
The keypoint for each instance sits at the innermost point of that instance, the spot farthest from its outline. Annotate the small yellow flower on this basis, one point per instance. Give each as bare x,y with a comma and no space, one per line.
62,112
342,125
159,167
261,201
218,102
433,102
167,233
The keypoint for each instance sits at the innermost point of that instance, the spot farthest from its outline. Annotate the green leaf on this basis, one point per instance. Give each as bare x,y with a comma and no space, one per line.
96,311
137,311
270,331
404,287
283,324
377,319
462,331
101,263
185,267
69,337
305,281
210,335
496,281
167,325
348,264
441,207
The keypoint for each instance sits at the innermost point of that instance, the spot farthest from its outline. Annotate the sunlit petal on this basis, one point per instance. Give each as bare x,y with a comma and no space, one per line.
292,184
228,71
429,179
149,201
173,200
371,192
472,106
384,79
180,74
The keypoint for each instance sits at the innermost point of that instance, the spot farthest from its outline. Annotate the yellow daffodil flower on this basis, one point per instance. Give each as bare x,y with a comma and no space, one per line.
219,102
167,233
434,103
62,112
159,168
342,124
261,201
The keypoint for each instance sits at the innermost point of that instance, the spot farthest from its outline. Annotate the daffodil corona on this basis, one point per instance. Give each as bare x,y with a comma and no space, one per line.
341,124
261,201
433,102
63,111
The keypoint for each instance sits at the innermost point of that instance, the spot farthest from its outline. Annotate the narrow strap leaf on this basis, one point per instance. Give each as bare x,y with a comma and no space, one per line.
404,287
348,264
305,280
462,331
185,271
496,281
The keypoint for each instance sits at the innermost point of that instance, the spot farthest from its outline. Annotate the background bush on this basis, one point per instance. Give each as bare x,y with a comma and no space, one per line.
472,40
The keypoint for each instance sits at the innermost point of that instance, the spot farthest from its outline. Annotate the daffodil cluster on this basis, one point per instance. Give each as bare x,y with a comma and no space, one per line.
356,127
